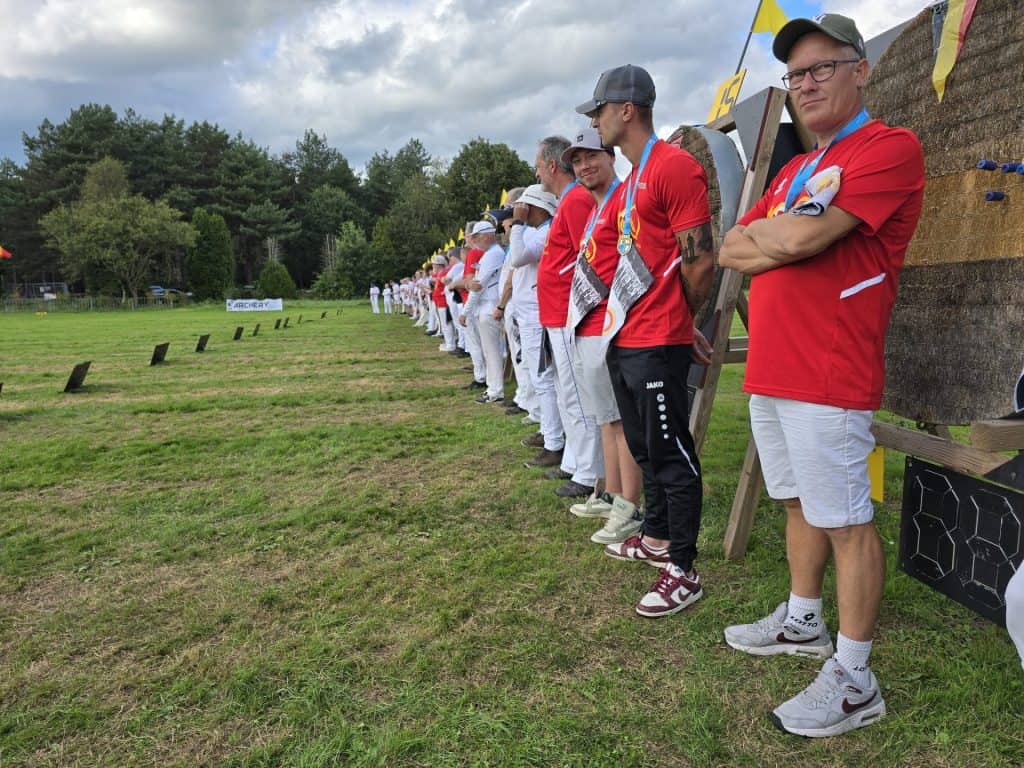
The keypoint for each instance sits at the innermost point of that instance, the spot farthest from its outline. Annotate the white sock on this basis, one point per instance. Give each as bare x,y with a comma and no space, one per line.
853,655
804,615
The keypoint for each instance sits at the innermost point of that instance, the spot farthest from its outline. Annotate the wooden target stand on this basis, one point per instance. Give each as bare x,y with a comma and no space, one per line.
933,442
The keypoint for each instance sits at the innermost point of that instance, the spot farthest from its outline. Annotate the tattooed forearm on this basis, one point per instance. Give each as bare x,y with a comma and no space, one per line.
695,247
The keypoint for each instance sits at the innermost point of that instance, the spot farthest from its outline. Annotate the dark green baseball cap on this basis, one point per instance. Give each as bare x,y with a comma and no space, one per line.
840,28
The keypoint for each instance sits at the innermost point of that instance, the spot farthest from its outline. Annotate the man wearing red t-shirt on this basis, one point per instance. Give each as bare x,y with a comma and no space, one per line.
594,166
581,459
825,245
441,269
666,246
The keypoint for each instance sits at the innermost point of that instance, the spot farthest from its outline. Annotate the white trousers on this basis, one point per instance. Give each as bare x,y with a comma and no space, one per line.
582,436
388,307
545,386
473,347
460,333
375,304
447,332
431,316
525,397
493,348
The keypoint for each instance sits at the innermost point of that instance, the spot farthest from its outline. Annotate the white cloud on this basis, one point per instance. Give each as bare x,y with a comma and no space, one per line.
371,74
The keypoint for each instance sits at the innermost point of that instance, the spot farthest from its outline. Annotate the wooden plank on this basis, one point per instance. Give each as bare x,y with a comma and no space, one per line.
725,123
744,503
742,310
732,282
998,435
956,456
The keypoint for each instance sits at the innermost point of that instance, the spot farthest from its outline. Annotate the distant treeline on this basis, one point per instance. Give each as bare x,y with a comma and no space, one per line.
306,208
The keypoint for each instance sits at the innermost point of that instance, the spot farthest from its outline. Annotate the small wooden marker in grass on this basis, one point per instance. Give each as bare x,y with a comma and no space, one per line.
201,344
238,332
159,353
300,320
256,330
77,377
277,324
323,315
286,322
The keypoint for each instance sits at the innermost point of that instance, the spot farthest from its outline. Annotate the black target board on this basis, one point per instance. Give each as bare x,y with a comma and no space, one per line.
159,353
203,341
239,330
256,330
277,324
323,315
77,377
961,535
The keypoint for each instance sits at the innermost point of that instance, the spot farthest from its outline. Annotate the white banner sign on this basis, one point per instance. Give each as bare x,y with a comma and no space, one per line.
255,305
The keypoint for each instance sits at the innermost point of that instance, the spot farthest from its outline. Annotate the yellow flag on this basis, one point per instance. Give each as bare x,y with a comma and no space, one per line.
504,197
954,29
450,245
462,235
770,17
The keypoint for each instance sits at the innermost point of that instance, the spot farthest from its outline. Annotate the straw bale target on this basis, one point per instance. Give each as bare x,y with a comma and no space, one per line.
721,161
954,349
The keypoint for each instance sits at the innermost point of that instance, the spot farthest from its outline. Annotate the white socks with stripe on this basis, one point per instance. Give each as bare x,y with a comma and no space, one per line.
804,615
853,655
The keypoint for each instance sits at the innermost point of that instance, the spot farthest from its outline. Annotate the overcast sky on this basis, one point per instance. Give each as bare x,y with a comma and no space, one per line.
372,75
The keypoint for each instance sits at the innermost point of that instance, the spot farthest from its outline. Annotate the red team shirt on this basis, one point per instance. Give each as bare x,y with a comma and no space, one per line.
603,257
554,272
817,326
438,293
672,196
469,270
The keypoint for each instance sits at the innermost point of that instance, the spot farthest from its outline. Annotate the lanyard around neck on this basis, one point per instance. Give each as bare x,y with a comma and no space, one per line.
809,166
592,223
631,186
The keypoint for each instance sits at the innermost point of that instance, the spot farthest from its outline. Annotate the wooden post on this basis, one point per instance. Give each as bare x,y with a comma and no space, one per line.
741,518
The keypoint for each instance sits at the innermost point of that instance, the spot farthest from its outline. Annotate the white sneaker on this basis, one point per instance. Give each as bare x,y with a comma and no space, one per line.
528,419
598,505
831,705
771,635
671,593
623,521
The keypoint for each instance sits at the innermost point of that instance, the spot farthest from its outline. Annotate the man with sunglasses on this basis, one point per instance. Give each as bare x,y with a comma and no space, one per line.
825,245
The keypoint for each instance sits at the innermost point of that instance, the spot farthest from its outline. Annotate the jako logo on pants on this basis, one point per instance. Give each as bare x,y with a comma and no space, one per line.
655,384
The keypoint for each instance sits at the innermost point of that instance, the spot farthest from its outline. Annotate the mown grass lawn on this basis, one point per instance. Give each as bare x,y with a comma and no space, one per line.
310,548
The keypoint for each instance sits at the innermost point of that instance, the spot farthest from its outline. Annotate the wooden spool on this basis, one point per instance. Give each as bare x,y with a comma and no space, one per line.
953,352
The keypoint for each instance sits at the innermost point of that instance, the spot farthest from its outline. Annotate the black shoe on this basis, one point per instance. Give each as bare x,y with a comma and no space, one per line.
474,384
515,410
536,440
556,473
573,490
545,458
464,353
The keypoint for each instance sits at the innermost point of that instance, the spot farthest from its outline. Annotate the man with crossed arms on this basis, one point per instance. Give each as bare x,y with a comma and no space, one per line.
822,289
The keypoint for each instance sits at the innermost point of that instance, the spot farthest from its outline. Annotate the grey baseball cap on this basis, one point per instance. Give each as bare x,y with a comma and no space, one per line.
626,83
586,138
840,28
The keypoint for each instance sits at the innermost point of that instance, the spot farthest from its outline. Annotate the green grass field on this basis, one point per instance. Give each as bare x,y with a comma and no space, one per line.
310,548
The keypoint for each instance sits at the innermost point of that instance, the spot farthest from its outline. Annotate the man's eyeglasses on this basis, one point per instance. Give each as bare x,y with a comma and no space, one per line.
820,72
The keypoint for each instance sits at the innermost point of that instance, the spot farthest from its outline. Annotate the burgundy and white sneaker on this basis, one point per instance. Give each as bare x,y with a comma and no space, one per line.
634,549
671,593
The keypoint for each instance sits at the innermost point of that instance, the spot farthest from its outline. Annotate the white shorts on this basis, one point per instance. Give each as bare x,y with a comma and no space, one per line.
595,383
818,454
